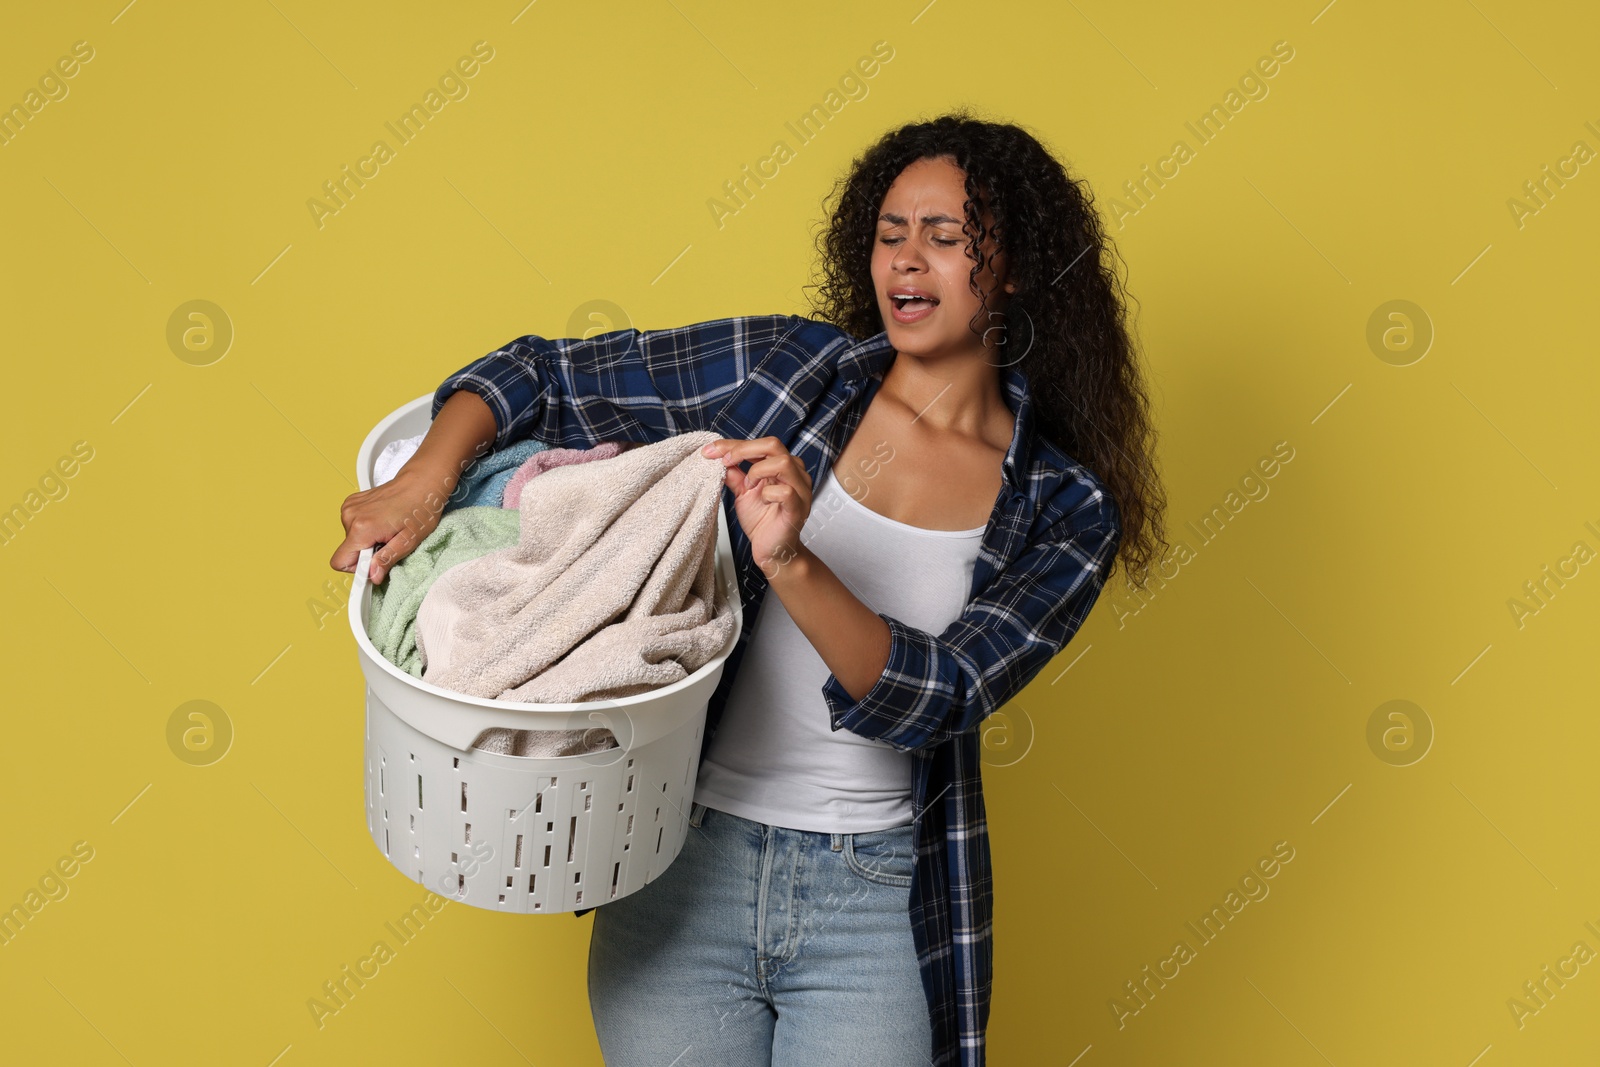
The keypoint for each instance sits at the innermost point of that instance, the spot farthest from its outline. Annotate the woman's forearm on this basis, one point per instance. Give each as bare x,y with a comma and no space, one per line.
849,636
463,430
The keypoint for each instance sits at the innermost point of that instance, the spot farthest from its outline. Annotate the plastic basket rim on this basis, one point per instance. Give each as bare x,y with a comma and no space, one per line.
369,651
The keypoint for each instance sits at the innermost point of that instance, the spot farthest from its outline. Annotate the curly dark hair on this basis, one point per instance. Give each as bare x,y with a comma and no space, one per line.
1080,360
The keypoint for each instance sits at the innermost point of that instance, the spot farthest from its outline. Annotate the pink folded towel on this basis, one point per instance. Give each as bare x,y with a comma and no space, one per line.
551,458
610,591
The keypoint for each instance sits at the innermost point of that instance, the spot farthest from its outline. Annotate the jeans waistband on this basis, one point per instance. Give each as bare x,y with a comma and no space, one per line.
697,816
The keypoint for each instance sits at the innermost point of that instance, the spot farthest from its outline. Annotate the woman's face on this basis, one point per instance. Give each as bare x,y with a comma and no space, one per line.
920,246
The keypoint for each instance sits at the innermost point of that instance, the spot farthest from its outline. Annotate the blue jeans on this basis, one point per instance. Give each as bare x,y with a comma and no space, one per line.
764,945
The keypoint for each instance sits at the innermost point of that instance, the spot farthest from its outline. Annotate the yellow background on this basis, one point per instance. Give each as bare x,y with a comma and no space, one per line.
1125,797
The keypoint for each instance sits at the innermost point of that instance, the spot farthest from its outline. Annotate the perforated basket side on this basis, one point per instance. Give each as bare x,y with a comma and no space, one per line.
528,835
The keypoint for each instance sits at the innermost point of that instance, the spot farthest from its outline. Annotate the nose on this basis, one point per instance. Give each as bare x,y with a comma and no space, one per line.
906,260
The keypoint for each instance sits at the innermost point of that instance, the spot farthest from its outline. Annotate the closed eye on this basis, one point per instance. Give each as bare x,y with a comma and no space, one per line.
947,242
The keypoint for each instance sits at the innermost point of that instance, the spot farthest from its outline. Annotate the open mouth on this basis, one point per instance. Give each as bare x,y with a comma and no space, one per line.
912,303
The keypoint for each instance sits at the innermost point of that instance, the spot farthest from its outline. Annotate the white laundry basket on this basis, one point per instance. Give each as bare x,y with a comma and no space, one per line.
525,834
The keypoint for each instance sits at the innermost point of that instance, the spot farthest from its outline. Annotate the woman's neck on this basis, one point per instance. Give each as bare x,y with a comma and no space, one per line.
951,394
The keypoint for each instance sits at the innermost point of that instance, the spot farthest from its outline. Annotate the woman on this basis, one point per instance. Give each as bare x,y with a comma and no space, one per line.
943,470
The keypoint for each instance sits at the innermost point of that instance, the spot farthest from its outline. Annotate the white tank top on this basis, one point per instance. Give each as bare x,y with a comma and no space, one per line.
775,759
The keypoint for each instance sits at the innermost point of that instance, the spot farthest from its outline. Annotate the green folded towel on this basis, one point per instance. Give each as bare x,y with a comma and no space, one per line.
462,535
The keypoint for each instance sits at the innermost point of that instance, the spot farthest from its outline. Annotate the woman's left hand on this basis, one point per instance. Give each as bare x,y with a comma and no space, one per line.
772,498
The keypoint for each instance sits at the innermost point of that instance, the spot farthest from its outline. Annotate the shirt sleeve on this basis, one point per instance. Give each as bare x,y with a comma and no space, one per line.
625,385
935,687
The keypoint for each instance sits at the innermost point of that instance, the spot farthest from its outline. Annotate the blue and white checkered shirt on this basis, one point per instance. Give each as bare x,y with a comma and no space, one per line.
1047,550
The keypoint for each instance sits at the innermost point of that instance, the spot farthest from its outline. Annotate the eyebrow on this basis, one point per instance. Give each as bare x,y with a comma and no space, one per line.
928,220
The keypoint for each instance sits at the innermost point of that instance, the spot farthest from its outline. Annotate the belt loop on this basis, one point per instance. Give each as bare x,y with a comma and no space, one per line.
836,842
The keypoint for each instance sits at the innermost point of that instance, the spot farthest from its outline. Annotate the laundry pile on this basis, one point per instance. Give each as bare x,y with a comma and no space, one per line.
561,575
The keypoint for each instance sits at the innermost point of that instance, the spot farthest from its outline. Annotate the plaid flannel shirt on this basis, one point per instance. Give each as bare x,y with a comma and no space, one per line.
1046,552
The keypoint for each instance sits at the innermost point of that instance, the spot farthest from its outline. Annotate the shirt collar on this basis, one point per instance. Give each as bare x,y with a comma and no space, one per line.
862,359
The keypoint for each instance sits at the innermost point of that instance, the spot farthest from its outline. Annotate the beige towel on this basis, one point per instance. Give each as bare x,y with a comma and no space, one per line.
435,629
610,591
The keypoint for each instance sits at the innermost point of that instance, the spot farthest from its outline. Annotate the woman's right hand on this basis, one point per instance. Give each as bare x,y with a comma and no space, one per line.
400,513
397,515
